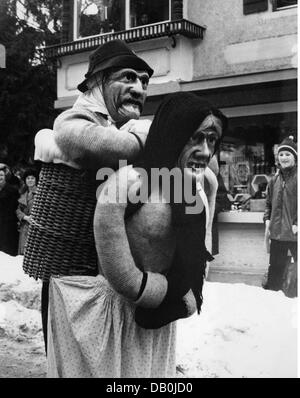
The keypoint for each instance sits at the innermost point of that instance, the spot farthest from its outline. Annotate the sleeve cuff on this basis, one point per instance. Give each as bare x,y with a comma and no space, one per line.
47,151
154,292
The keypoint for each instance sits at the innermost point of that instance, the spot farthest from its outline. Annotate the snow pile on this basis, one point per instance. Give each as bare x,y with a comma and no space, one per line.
242,331
20,318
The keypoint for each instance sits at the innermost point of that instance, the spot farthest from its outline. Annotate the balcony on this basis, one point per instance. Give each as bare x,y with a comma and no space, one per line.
163,29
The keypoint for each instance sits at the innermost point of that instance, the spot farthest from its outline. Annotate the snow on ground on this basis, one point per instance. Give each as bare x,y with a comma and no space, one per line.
242,331
20,318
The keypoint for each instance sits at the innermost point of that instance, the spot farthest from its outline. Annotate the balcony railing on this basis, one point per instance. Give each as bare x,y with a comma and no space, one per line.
172,28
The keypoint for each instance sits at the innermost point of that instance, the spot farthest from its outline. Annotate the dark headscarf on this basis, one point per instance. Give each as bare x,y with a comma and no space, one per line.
176,120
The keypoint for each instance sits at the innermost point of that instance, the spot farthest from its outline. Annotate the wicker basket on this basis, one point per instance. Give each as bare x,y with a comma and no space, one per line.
60,238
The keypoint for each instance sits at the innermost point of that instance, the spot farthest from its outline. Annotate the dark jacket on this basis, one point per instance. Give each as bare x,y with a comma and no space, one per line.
8,219
281,205
25,203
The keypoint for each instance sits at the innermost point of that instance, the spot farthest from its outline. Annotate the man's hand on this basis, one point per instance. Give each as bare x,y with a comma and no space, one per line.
46,148
295,229
139,127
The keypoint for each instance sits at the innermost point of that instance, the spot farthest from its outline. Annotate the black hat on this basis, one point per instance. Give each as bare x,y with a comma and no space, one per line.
113,54
288,144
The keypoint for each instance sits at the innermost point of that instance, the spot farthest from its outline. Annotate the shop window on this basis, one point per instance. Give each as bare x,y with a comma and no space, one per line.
104,16
242,164
281,4
248,157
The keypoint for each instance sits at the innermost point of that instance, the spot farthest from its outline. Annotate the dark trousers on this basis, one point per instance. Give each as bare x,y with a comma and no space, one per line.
278,261
44,310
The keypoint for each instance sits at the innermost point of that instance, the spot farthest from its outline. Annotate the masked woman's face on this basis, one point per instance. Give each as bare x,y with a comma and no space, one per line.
198,151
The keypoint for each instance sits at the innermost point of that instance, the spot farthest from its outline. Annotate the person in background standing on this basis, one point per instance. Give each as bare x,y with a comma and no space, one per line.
25,204
8,219
280,215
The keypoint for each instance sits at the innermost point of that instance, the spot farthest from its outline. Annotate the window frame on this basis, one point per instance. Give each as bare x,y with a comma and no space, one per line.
127,20
276,8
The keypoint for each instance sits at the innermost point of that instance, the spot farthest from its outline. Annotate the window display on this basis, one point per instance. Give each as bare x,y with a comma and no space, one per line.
248,156
245,171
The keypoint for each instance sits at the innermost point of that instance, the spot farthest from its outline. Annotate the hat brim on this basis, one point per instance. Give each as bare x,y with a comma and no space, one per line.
119,61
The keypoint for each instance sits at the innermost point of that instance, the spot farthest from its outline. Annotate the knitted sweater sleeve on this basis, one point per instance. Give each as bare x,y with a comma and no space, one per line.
114,254
90,144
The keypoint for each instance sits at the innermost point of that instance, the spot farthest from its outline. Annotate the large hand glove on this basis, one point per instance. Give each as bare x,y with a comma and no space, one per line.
140,128
167,312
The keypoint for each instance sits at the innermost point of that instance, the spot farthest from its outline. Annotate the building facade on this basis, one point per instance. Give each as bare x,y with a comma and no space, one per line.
239,54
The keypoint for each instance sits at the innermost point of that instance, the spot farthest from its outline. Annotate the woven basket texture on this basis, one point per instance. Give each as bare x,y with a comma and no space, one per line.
60,238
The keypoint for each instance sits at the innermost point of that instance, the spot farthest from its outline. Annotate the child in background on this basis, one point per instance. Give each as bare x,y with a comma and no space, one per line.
280,215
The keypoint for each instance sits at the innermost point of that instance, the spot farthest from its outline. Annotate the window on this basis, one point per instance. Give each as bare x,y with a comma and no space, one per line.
104,16
99,16
247,155
148,12
254,6
280,4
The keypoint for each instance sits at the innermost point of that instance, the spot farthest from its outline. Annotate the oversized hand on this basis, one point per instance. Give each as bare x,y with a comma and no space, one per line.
46,148
139,127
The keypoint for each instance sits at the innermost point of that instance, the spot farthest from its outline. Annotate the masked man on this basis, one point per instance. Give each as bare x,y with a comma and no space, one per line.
102,127
152,254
